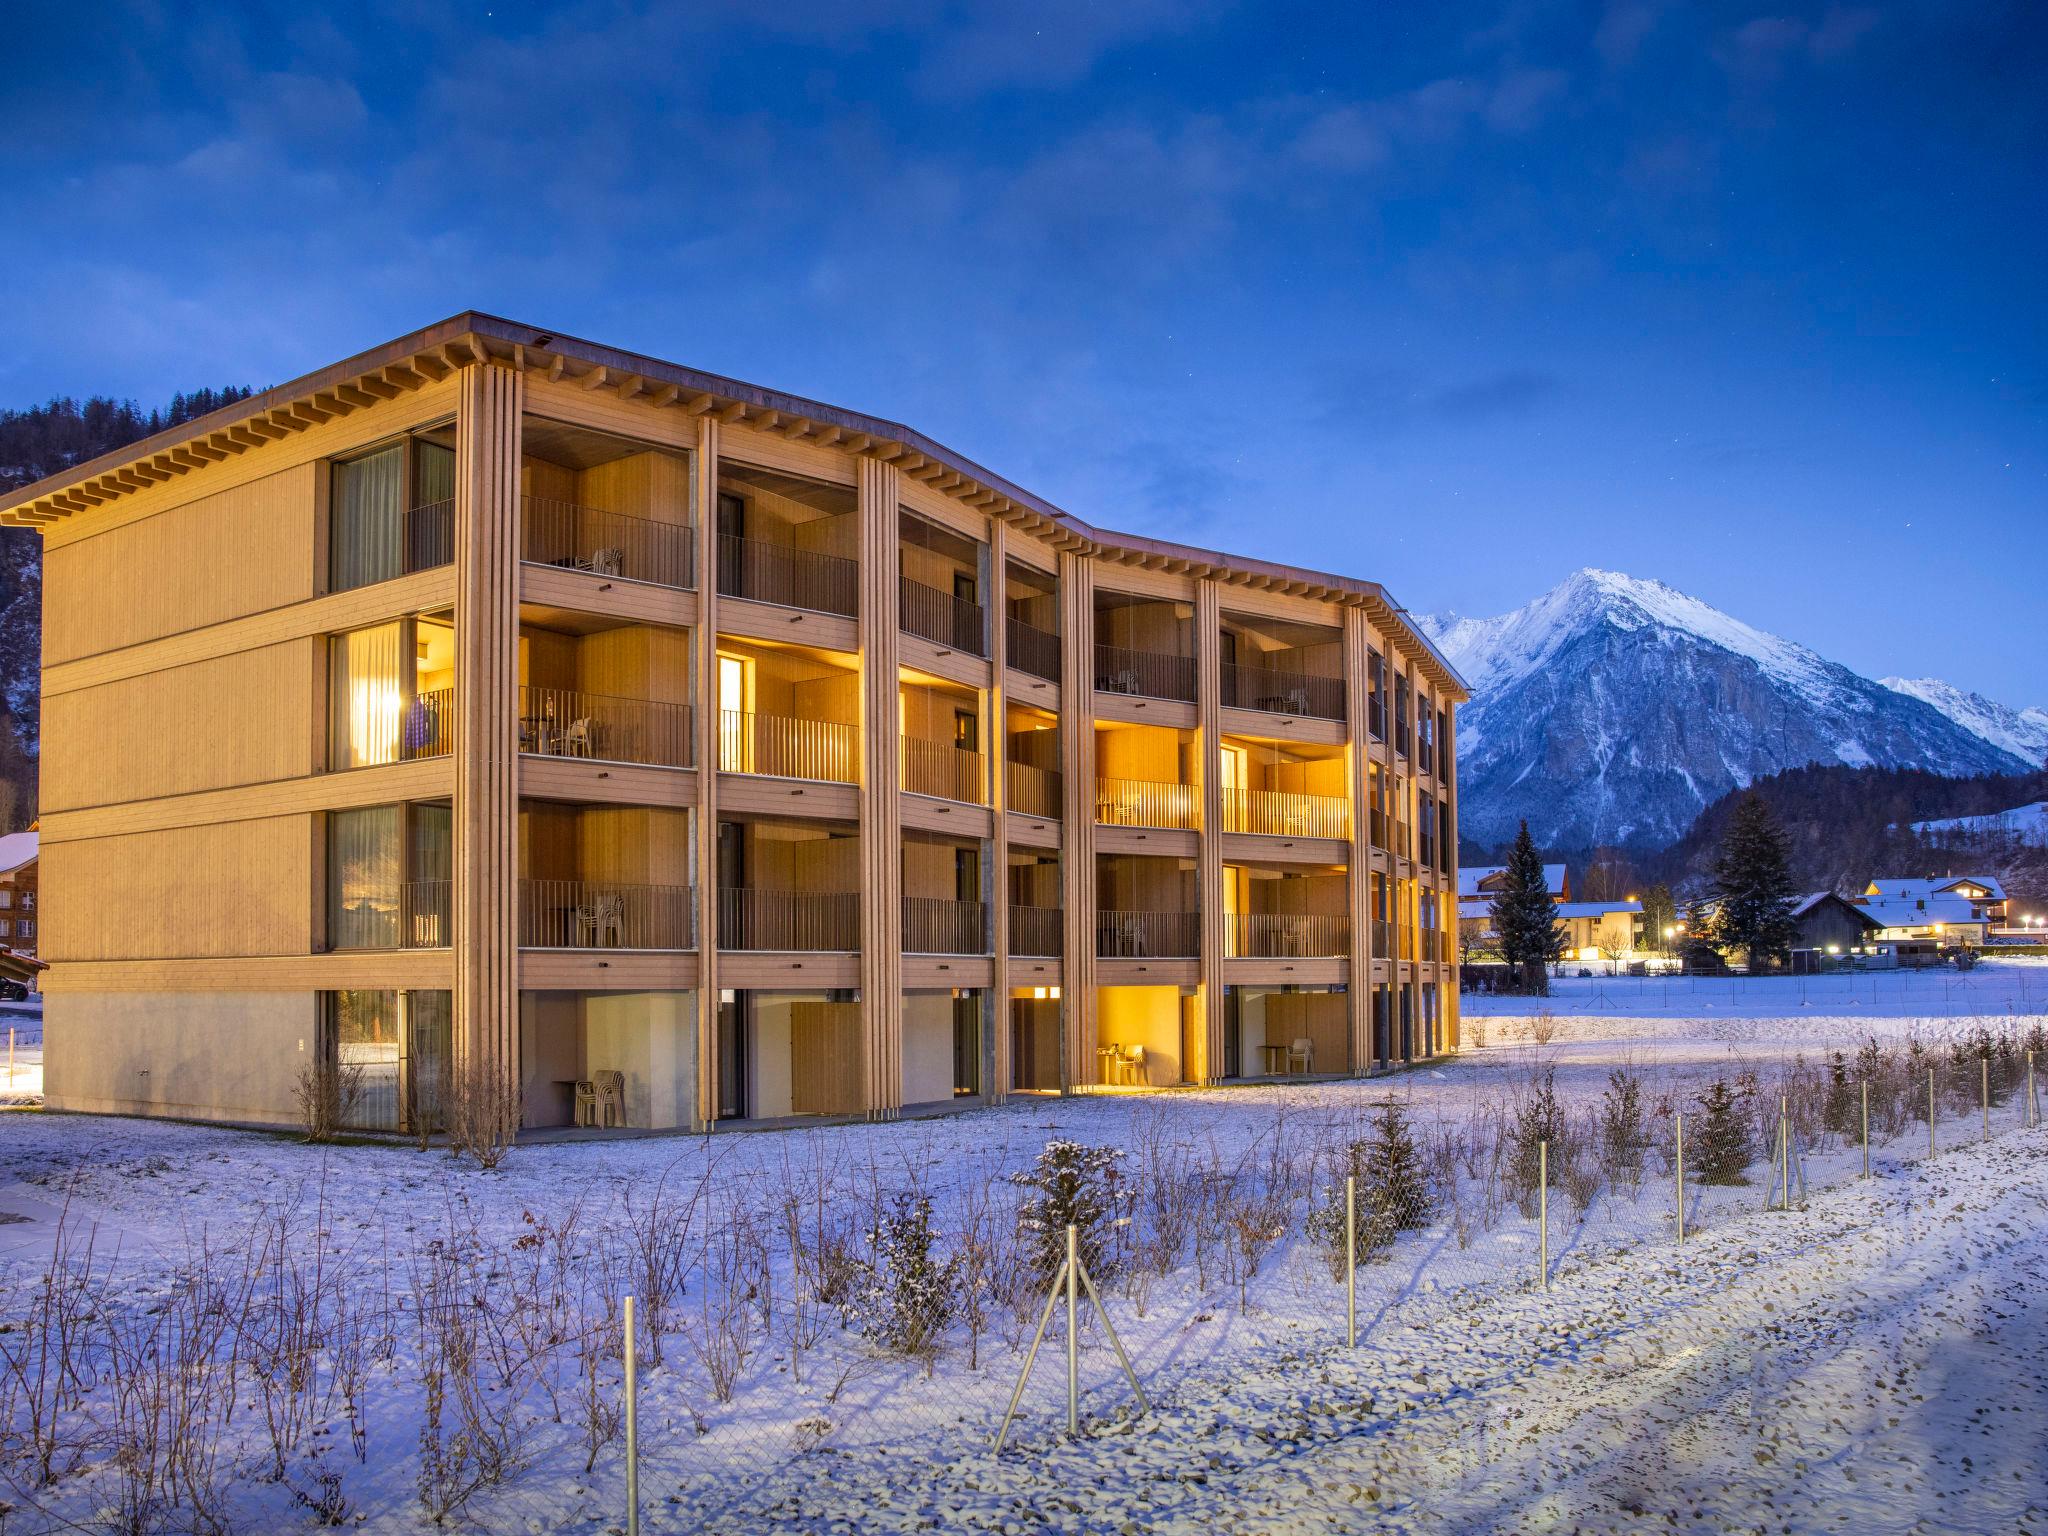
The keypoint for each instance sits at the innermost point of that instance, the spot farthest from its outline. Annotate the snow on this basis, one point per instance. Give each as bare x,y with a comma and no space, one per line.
2027,824
2022,732
1874,1362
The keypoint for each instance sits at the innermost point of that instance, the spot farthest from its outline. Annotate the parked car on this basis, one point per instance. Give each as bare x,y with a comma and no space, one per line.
13,992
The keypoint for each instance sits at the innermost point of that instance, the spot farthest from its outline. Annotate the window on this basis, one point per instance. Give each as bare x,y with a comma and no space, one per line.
388,872
391,1053
735,711
391,513
391,693
26,928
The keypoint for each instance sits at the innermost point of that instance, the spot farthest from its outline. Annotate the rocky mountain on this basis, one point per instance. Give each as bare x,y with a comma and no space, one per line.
2022,732
1612,710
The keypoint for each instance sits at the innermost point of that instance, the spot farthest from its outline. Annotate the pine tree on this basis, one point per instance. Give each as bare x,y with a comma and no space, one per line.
1393,1195
1753,878
1525,918
1841,1111
1539,1118
1660,911
1725,1148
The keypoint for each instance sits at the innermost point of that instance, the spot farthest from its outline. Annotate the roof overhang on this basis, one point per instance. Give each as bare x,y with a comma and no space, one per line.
426,356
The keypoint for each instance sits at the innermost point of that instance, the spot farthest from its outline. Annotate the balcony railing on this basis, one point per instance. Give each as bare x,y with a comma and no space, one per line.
1030,649
429,536
606,914
1285,935
794,578
1152,674
788,920
1036,931
1283,692
1143,803
607,543
1376,715
941,616
942,769
1382,939
1034,791
566,722
1280,813
413,914
783,748
1147,935
935,926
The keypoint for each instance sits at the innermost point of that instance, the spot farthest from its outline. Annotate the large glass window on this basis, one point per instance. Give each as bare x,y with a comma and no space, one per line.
388,869
392,512
391,693
391,1051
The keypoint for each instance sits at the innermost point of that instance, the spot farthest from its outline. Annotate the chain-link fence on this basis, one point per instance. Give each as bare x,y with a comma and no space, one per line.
829,1340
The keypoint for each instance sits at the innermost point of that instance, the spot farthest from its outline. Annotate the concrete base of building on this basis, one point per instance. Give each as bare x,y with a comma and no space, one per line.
225,1056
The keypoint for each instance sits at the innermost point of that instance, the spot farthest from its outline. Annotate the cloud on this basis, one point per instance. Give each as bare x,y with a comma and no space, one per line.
1624,29
1760,50
1050,45
1383,403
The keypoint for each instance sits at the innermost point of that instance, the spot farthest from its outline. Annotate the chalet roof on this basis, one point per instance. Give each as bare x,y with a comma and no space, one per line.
1921,911
1934,885
431,354
1814,899
1472,876
1596,908
17,849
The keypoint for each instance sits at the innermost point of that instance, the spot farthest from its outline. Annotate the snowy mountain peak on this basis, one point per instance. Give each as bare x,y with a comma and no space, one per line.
2022,732
1613,708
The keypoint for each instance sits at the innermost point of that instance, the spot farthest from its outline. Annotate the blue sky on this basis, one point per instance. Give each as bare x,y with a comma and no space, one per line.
1747,297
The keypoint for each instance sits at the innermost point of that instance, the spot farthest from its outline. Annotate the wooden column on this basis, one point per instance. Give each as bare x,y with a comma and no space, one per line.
1209,842
1449,1000
881,803
995,881
1358,753
486,855
704,513
1077,810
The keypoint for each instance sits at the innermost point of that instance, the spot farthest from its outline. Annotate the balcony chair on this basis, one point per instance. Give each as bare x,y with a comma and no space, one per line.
609,1097
1301,1055
595,918
586,1102
574,740
604,562
1133,1061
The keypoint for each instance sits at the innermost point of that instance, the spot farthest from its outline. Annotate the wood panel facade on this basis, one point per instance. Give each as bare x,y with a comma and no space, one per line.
198,827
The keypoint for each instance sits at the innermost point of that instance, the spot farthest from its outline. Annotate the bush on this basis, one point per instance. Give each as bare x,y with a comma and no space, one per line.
1621,1121
1842,1110
1393,1195
903,1295
1538,1119
1073,1185
1725,1145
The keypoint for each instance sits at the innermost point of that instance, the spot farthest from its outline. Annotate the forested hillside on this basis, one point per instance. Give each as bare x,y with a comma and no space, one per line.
39,441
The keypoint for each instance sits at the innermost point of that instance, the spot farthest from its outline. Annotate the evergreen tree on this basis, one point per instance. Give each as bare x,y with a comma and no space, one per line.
1660,911
1539,1118
1753,878
1393,1195
1525,918
1725,1148
1842,1110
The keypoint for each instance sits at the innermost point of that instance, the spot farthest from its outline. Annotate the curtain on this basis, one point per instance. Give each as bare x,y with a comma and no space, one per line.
368,680
367,520
429,1048
364,868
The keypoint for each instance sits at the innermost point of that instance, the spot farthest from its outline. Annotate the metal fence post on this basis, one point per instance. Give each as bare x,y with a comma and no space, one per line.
1679,1120
2033,1104
1930,1111
1785,1151
1351,1261
1073,1332
10,1056
1984,1065
1543,1209
1866,1128
632,1428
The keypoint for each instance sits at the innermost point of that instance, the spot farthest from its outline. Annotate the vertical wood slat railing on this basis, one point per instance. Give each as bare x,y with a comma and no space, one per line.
412,914
575,537
1036,931
754,919
942,769
1033,650
786,576
933,925
941,617
1286,935
1146,803
425,909
1145,935
1283,813
1034,791
1151,674
1282,692
779,747
606,914
566,722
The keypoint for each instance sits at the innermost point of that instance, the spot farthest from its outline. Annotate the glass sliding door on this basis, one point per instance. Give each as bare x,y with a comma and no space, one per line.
365,866
391,693
391,513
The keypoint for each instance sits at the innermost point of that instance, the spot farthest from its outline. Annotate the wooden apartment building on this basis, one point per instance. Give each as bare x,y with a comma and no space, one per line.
493,701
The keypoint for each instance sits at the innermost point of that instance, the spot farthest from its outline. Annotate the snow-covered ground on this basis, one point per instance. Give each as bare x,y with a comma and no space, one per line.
2026,824
1782,1370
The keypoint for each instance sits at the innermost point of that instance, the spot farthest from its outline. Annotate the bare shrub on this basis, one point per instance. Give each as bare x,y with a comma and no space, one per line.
723,1337
328,1094
661,1221
51,1361
483,1112
1543,1026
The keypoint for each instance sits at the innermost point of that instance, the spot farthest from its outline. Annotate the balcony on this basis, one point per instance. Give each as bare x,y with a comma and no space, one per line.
1147,935
941,617
1037,931
932,926
606,914
754,919
789,577
1282,692
1274,813
1145,803
1034,791
414,914
562,533
1285,935
778,747
566,722
1382,939
1030,649
942,769
1150,674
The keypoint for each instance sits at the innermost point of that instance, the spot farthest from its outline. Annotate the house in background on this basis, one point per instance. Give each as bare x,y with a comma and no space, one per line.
1829,926
18,862
1601,930
1478,885
1950,910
